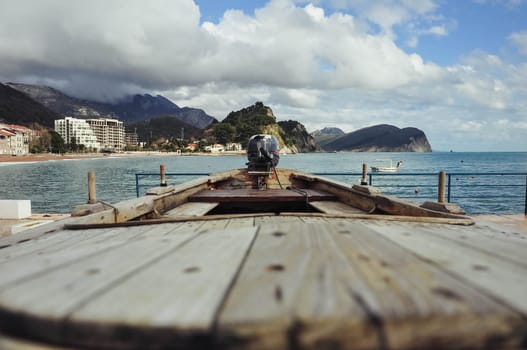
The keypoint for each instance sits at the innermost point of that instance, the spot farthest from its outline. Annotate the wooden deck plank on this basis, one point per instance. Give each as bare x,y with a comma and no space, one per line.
332,207
240,222
336,280
300,282
172,298
413,293
40,243
290,276
190,209
510,226
56,292
27,235
499,244
501,278
100,241
251,195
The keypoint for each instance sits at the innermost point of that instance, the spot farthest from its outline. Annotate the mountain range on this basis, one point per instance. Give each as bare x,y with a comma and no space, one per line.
156,116
18,108
132,108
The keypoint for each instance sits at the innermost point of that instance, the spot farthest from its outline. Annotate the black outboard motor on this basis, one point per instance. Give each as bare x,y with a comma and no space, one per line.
262,153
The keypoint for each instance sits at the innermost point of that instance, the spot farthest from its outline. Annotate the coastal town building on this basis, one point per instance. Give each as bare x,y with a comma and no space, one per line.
14,139
131,139
192,147
77,131
215,148
234,146
110,133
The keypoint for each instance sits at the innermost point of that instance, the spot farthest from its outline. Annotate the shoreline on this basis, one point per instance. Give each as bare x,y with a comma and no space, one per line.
33,158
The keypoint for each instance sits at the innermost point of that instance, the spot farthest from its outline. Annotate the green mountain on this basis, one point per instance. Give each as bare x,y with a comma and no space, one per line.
18,108
326,135
239,126
381,138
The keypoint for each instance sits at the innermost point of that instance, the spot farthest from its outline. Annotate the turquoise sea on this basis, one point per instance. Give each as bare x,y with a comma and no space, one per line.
58,186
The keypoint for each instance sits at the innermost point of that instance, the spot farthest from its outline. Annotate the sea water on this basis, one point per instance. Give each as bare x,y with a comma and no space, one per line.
59,186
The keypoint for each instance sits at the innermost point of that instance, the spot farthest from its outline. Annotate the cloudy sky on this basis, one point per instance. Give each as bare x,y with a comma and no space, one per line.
457,69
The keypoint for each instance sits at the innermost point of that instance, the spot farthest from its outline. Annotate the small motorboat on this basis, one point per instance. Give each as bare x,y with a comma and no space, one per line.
389,169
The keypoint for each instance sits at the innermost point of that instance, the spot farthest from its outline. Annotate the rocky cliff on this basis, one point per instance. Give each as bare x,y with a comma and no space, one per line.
381,138
295,134
240,125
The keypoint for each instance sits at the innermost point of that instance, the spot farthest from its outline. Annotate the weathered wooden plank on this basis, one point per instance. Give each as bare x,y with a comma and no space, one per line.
421,305
36,232
99,241
492,242
46,244
156,191
465,221
314,179
252,195
240,222
495,226
332,207
292,279
190,209
171,301
33,246
121,212
499,277
292,296
136,207
180,195
55,292
41,301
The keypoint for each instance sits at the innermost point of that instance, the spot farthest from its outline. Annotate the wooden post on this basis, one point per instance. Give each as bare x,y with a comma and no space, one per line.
364,180
163,177
91,188
441,187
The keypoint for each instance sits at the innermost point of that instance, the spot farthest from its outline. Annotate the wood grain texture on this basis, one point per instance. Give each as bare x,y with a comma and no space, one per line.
293,280
498,276
190,209
416,294
250,195
332,207
175,296
269,282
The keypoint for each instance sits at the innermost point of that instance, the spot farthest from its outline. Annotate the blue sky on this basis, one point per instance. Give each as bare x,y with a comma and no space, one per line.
483,25
455,69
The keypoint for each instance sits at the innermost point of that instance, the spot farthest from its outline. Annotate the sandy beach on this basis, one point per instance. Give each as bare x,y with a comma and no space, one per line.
45,157
29,158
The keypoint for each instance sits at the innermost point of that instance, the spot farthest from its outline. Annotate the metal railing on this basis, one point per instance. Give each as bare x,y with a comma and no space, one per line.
473,191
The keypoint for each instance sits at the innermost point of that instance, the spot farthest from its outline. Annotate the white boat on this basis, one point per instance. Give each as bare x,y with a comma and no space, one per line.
390,168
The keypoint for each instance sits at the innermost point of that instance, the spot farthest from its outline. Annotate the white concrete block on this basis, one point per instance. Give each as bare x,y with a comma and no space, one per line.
15,209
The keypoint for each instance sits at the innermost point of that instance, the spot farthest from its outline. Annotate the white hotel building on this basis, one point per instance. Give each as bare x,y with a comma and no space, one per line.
79,129
109,132
97,134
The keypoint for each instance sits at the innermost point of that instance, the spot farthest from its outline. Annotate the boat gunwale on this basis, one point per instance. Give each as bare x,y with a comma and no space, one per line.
156,204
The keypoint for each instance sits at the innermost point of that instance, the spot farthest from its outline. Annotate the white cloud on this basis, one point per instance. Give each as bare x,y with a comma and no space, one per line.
323,68
437,30
519,40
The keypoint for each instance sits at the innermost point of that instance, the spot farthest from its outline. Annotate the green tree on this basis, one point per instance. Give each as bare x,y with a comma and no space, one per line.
72,146
57,143
224,133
